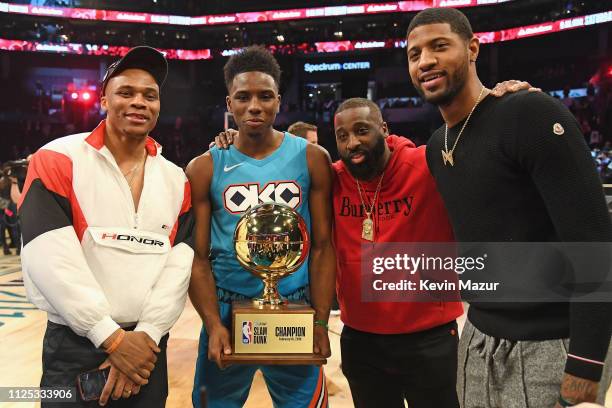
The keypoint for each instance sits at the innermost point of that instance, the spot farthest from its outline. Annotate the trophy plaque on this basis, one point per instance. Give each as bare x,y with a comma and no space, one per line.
271,241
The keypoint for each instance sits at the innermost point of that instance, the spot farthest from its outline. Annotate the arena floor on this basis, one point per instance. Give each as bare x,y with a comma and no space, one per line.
22,327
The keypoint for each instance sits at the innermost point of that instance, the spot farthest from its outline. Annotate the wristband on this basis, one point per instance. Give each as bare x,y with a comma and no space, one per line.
321,323
564,403
115,344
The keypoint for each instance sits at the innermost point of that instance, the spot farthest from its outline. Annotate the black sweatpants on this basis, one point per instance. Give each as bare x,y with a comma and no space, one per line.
383,370
66,355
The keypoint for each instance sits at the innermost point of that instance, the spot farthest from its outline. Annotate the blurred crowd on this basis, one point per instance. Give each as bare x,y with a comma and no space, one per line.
185,138
603,161
593,113
12,179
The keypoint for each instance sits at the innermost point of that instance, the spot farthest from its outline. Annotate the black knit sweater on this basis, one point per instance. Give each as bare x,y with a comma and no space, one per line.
523,173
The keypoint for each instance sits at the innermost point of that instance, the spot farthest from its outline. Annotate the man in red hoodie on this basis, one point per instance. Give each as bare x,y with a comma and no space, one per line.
391,351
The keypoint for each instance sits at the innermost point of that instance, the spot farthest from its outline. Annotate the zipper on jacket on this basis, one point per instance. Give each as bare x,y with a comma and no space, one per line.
122,182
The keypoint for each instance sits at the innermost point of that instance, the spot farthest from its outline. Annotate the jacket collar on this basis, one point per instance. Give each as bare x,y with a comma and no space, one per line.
96,140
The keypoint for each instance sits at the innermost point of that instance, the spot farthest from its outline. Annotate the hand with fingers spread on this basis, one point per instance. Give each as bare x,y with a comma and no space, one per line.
117,386
224,139
512,86
218,343
134,356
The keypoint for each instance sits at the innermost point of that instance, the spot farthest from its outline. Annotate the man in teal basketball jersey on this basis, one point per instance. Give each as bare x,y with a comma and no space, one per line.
265,165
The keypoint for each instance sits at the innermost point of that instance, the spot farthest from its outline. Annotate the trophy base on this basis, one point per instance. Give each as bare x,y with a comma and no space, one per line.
274,359
272,334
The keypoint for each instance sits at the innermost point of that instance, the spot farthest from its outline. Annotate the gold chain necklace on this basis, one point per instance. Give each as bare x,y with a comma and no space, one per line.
367,226
447,155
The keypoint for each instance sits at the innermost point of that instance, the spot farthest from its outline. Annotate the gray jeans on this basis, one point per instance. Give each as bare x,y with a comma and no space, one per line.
499,373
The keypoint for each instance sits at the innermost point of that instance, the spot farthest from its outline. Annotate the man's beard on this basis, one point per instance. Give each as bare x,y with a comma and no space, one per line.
372,164
456,82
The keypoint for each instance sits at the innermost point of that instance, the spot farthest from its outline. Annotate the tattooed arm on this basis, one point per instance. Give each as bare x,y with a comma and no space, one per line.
576,390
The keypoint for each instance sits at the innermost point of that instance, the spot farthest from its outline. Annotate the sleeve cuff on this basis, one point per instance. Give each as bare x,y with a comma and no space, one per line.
102,330
151,330
583,369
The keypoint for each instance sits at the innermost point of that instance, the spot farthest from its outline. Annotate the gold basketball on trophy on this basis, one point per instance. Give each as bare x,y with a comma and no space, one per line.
271,241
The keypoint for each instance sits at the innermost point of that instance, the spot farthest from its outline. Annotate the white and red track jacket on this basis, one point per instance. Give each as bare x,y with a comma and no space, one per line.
89,259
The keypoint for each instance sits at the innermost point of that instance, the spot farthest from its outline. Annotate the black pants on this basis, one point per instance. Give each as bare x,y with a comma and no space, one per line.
383,370
66,355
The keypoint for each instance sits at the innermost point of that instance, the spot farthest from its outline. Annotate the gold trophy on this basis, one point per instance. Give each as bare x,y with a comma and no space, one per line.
271,241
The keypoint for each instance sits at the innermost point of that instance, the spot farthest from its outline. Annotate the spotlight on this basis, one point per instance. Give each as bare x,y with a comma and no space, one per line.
86,96
338,34
74,95
280,38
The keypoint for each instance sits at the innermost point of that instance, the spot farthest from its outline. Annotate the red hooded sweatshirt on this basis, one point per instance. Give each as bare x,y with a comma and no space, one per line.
410,210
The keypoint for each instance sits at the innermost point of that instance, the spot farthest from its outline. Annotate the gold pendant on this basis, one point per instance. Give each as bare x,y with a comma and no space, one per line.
367,229
447,157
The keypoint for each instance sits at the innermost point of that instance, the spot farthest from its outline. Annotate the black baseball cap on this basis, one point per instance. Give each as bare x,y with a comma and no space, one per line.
141,57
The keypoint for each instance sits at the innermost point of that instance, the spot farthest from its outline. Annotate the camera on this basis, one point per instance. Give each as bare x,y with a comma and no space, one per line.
16,169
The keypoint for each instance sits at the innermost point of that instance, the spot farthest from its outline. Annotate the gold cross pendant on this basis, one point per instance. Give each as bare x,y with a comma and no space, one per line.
447,157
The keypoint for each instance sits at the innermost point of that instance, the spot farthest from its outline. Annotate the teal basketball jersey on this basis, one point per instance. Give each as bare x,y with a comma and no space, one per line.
240,183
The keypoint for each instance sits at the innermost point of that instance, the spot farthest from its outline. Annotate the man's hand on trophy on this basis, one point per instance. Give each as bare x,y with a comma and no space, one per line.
224,139
321,341
218,343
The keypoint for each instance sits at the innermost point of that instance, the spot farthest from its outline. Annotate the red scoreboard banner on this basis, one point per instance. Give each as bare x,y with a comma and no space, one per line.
318,47
240,18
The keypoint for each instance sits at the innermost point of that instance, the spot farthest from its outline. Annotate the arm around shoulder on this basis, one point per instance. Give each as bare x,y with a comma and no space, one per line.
202,287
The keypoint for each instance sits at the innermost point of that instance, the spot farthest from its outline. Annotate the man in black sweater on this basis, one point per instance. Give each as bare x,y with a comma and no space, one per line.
516,169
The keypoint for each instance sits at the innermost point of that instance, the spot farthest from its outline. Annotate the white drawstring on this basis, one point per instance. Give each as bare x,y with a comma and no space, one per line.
522,373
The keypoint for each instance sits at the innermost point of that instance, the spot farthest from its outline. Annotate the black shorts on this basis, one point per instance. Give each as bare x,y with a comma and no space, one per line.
383,370
66,355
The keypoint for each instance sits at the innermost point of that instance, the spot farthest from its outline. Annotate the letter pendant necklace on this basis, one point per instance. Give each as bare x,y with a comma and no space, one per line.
447,155
367,226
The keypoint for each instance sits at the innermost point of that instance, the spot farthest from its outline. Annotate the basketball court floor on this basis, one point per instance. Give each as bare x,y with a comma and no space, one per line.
22,328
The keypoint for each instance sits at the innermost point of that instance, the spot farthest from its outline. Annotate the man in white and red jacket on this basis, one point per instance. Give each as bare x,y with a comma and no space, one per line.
391,351
106,227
